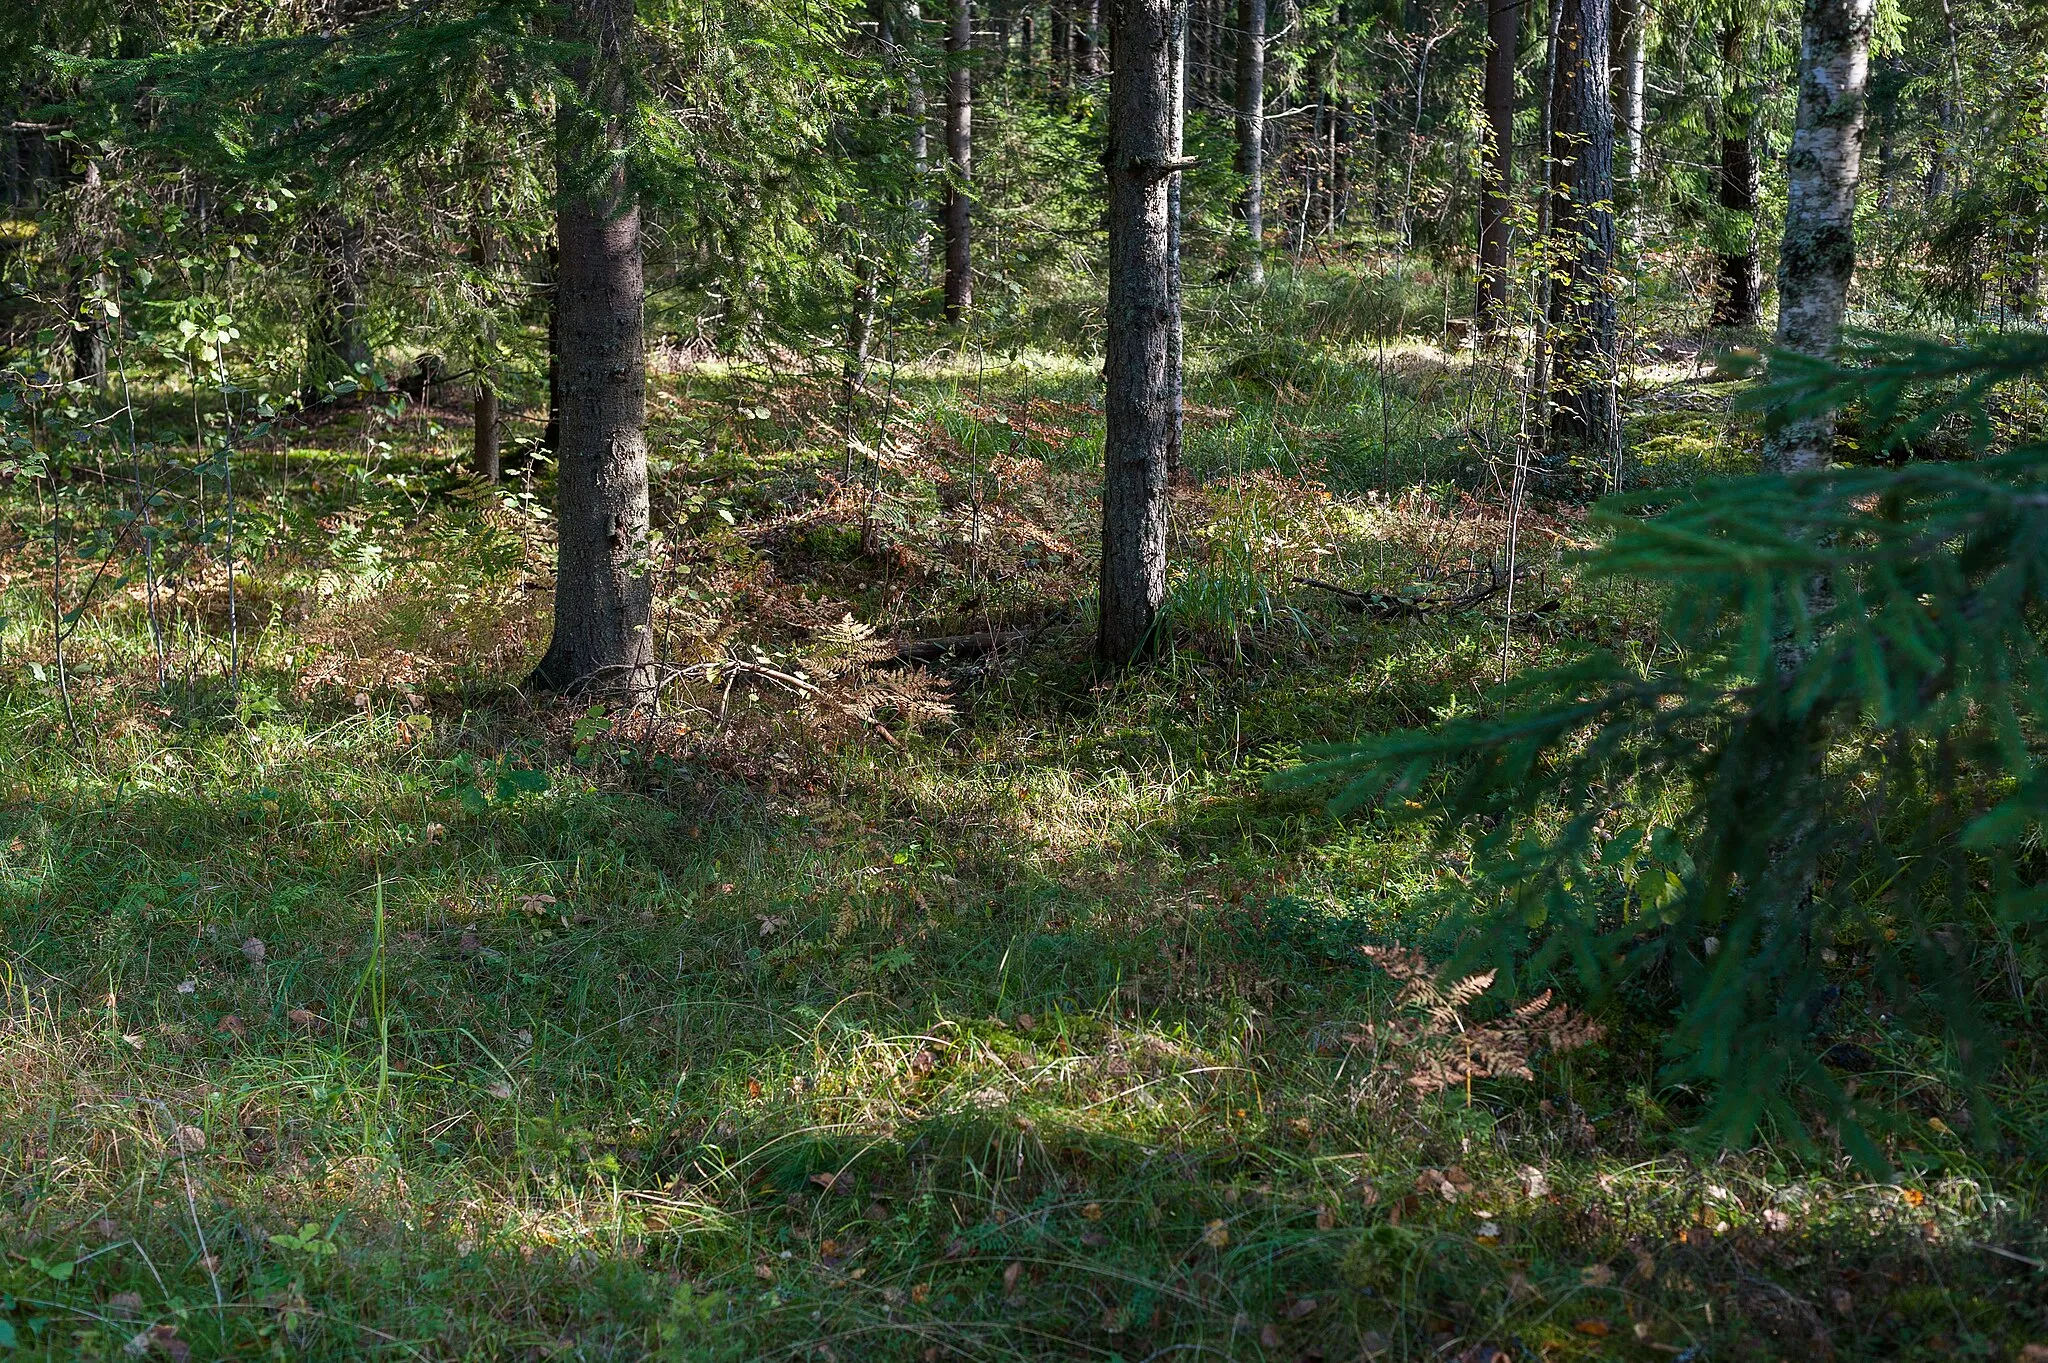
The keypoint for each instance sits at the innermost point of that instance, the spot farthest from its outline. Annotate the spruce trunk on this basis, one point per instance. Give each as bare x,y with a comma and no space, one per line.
1582,312
1738,276
1503,33
1251,130
1818,255
484,452
338,342
602,643
1143,386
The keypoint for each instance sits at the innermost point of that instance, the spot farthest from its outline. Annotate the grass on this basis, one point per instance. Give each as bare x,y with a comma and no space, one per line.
366,1008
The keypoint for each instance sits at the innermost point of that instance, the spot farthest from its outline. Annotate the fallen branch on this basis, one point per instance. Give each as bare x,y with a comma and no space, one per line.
960,645
1388,606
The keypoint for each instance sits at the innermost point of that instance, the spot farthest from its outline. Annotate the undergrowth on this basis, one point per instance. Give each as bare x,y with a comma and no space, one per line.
358,1006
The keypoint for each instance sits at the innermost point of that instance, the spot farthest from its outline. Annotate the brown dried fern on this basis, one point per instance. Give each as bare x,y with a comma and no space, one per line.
1435,1043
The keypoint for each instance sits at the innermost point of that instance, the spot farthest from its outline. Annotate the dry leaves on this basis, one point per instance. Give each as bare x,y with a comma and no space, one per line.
159,1339
1449,1183
188,1140
1216,1235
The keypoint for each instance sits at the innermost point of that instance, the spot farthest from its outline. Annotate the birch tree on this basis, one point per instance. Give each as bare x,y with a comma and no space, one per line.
1818,255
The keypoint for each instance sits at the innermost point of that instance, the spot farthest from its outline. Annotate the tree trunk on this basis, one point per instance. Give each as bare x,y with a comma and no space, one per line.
89,288
917,115
1087,39
1818,256
1631,71
1503,32
602,642
1177,104
1061,58
960,161
1251,130
484,456
1582,314
1738,276
338,341
1139,403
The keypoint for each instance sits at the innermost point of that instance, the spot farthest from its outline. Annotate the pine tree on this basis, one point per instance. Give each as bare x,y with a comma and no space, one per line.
603,602
1141,404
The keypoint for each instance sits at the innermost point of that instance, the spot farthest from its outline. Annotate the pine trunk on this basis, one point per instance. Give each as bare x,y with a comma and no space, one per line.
602,643
1503,32
960,162
1088,38
1582,312
1142,386
1251,130
1818,255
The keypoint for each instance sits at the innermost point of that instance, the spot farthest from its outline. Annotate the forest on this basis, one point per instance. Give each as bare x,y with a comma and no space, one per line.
1127,680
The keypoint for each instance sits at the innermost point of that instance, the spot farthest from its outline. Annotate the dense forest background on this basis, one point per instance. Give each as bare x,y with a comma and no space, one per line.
1123,679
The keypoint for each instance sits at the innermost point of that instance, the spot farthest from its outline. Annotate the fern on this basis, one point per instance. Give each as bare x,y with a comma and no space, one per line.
1434,1043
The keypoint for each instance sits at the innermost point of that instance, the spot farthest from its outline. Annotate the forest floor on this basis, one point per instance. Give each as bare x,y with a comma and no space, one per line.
358,1005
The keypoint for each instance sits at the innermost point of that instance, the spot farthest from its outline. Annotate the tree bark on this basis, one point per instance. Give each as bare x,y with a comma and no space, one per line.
960,161
1139,365
1739,280
338,341
1087,39
484,451
1582,313
602,642
1818,256
1503,33
917,115
551,434
1251,130
1061,58
1631,71
89,288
